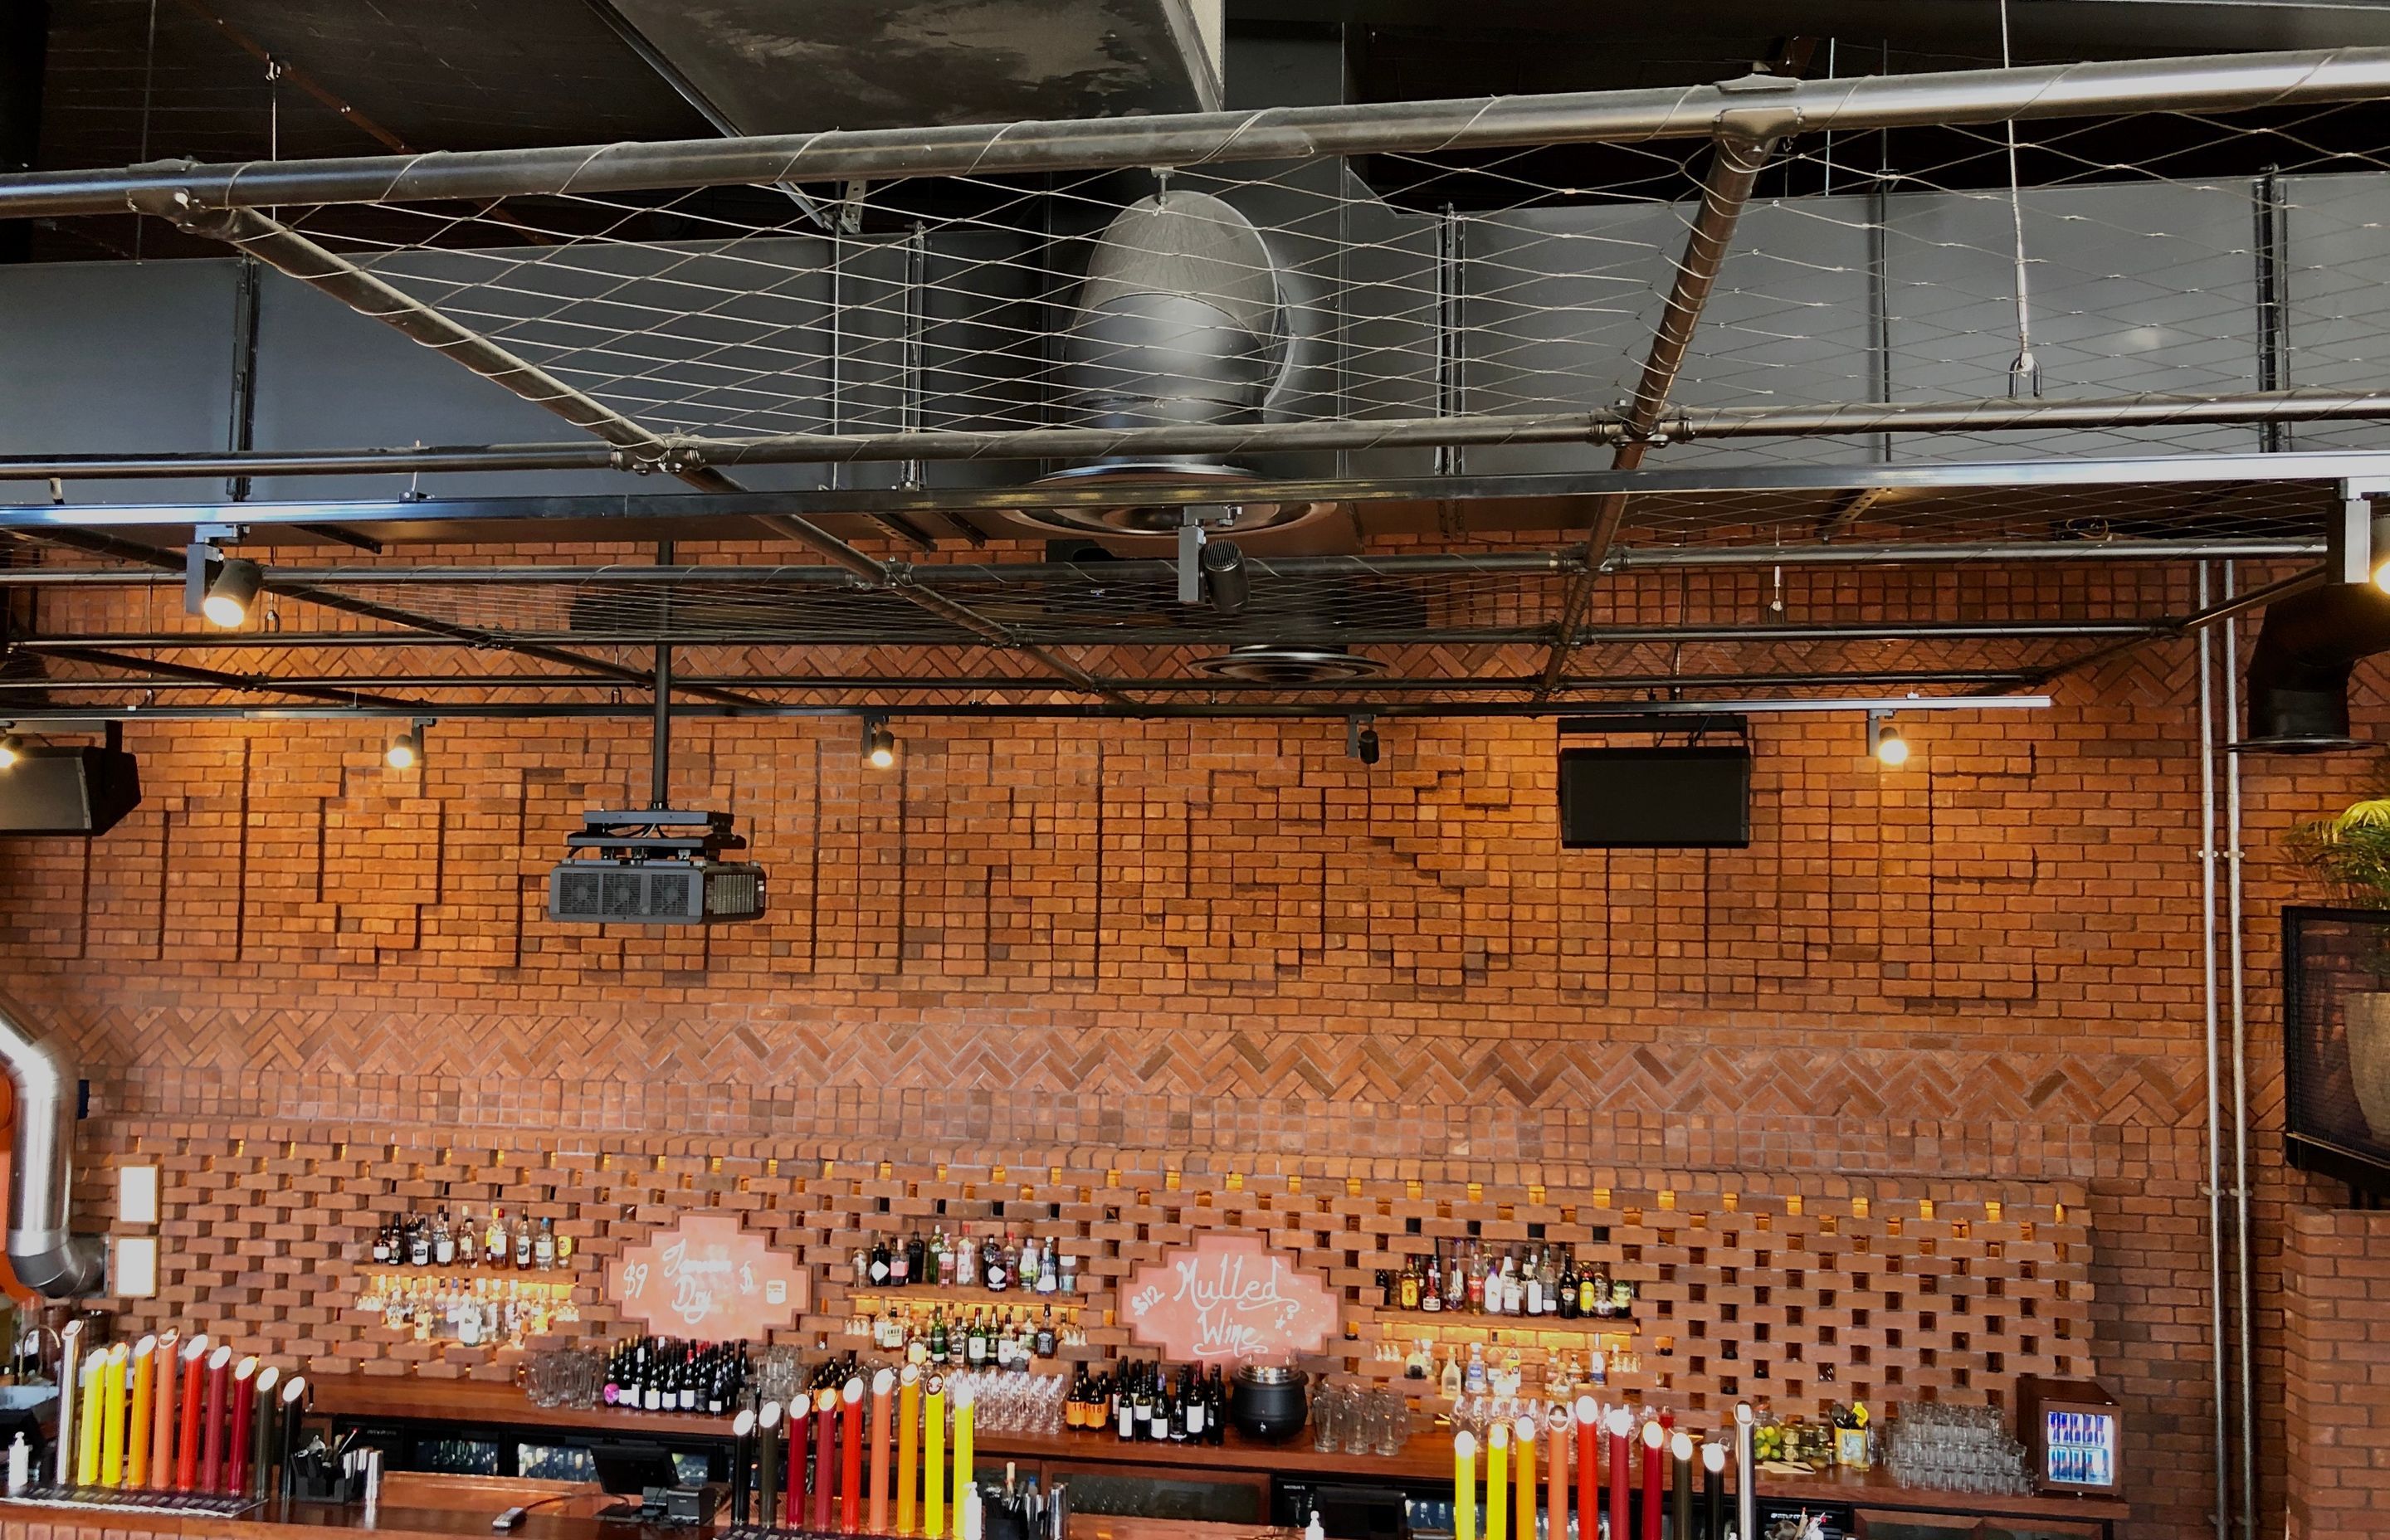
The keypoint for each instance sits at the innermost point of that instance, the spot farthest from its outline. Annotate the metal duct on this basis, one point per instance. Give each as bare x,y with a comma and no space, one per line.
1179,320
45,1256
2298,673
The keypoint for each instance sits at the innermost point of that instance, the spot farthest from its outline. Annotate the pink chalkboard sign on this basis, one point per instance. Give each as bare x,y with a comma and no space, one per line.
1228,1298
707,1279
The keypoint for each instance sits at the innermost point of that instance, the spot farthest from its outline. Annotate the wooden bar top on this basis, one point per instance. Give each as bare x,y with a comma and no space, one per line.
276,1521
1425,1458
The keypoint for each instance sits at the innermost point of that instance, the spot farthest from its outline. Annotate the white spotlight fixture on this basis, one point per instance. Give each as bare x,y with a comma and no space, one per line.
230,592
1884,741
879,743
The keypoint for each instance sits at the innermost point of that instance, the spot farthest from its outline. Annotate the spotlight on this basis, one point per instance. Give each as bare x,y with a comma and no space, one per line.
235,585
12,749
405,751
1884,741
2381,554
1225,579
879,743
1361,739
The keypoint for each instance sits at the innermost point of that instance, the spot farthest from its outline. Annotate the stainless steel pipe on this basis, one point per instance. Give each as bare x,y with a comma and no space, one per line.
2207,83
42,1252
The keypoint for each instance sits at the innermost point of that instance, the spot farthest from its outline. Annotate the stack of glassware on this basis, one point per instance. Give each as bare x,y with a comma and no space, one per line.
1957,1449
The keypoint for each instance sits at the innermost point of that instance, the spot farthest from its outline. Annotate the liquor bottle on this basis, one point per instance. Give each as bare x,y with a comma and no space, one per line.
1514,1289
1456,1285
688,1378
1432,1286
937,1345
1567,1300
1493,1287
1192,1399
966,1259
419,1244
1407,1285
1473,1378
1450,1381
1476,1284
1046,1336
879,1273
912,1265
1598,1292
443,1240
494,1240
543,1247
1125,1407
1552,1279
522,1243
1216,1414
991,1265
975,1350
381,1243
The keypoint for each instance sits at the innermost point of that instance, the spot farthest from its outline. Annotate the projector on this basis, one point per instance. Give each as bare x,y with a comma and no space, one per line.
654,867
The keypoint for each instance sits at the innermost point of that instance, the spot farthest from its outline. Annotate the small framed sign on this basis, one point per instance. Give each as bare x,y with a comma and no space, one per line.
707,1279
1228,1299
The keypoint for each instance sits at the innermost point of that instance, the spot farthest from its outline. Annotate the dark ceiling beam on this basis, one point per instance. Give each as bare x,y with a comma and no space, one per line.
174,561
161,675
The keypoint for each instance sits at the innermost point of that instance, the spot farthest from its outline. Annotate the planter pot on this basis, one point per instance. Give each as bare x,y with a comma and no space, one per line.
2368,1022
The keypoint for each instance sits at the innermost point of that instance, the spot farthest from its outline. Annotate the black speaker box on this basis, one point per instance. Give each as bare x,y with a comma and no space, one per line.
53,790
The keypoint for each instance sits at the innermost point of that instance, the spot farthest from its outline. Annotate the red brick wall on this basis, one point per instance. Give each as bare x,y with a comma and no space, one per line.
1230,946
2336,1371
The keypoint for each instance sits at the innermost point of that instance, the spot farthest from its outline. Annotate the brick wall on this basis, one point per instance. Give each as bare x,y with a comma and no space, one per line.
2336,1371
1226,948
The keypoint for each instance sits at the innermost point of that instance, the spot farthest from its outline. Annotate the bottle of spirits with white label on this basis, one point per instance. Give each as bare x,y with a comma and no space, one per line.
543,1246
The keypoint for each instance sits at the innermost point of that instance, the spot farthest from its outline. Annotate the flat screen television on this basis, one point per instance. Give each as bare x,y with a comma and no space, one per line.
1680,798
2336,1043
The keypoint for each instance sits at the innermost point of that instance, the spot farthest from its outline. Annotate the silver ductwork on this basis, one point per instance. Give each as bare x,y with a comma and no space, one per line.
45,1256
1179,321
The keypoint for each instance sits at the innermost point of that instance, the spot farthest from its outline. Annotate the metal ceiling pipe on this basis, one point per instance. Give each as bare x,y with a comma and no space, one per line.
2222,1443
2208,83
46,1256
1072,712
1736,161
1231,440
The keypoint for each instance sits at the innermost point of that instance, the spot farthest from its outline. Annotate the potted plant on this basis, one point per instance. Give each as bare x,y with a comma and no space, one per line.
2351,852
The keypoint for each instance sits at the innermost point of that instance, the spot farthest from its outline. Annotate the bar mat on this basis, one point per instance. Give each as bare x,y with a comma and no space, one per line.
119,1500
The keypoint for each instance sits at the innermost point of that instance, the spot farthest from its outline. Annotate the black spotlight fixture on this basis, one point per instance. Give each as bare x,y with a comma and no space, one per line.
1361,739
879,743
1226,581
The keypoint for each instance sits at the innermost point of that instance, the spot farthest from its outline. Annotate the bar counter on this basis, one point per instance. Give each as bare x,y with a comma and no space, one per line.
1425,1460
37,1522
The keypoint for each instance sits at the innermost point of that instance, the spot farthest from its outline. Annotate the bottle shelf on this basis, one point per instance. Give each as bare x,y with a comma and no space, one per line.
433,1272
1397,1321
927,1294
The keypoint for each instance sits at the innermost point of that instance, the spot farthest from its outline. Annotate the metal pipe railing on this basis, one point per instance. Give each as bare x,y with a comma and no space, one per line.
2206,84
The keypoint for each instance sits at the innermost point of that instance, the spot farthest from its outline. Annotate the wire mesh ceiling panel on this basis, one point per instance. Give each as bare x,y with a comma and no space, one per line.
1649,348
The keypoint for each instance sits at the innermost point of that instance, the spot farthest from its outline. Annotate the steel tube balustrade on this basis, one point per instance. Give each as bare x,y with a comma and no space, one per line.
2197,84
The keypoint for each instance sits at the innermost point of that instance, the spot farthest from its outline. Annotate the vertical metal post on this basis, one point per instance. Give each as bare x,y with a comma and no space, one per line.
2245,1325
917,273
1879,265
1449,256
660,752
837,332
2223,1432
2274,340
240,433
